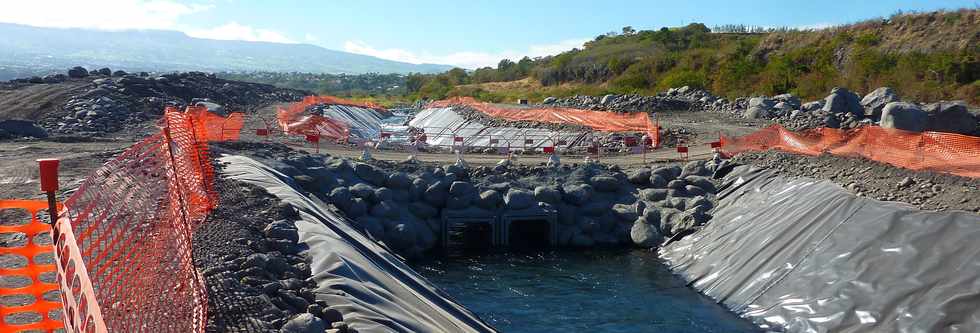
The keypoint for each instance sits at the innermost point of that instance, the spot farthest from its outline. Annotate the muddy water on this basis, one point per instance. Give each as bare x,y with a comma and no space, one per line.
566,291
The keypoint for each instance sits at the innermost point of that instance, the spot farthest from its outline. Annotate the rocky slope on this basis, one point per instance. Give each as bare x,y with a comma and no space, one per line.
107,103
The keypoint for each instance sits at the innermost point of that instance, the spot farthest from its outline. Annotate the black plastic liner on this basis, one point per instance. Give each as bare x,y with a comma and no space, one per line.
373,288
802,255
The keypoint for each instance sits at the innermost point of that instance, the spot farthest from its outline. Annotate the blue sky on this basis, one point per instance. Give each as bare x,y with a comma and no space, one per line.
462,33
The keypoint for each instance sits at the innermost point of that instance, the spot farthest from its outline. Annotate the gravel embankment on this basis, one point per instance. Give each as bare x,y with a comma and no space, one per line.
925,189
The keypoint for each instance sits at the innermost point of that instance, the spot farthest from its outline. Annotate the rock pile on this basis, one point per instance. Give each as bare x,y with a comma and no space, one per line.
256,274
402,205
621,103
841,109
116,101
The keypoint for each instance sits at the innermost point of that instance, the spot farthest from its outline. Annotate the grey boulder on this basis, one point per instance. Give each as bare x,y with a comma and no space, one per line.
904,116
875,101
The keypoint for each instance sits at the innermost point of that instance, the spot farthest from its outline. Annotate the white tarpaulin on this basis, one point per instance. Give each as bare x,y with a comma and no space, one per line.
441,125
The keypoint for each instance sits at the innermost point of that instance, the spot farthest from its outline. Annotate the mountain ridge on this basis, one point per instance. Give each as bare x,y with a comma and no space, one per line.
29,50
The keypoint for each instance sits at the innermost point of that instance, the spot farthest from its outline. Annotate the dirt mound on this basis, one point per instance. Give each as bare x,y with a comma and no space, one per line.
927,190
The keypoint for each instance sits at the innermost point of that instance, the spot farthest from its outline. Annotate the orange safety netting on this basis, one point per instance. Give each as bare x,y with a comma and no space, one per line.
35,273
126,232
217,128
294,120
598,120
943,152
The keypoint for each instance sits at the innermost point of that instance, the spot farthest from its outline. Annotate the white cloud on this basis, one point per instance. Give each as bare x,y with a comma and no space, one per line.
463,59
99,14
129,14
235,31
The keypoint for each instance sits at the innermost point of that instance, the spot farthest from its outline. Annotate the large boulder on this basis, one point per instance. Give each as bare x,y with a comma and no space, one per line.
77,72
577,194
842,100
653,195
436,194
876,100
756,112
811,106
645,234
370,174
668,172
762,102
904,116
951,117
792,101
605,183
549,194
459,188
608,99
399,180
489,199
402,236
518,199
640,176
423,210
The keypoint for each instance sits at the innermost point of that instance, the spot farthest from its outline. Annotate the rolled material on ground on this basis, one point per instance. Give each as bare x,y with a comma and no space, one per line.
373,289
807,256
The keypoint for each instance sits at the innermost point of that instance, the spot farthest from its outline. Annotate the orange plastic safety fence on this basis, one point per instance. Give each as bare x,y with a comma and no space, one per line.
28,288
598,120
133,221
294,120
943,152
217,128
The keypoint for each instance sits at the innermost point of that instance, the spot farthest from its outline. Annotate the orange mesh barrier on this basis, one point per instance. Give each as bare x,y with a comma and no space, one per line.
943,152
217,128
598,120
132,222
294,120
28,289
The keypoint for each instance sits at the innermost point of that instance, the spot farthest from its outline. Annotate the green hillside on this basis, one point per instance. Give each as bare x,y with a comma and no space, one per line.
924,56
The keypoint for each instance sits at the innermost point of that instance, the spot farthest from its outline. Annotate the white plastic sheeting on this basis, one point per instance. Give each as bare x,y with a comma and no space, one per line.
373,288
803,255
364,123
442,124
